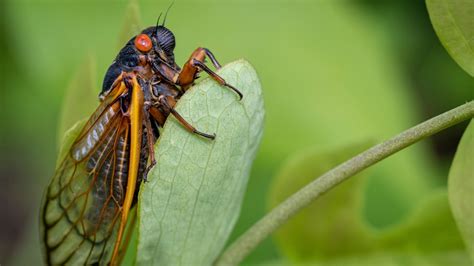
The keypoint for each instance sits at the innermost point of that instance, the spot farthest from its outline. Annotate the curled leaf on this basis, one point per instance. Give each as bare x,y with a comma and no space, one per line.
189,207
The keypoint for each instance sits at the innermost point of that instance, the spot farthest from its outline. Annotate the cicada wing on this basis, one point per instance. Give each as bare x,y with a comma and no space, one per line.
82,205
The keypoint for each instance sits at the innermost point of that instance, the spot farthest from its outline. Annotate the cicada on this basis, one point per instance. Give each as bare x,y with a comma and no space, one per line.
89,199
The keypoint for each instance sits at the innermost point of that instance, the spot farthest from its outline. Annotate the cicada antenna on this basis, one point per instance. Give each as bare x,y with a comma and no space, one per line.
158,20
166,14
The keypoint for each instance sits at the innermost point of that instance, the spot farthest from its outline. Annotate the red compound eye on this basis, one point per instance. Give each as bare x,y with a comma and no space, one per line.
143,43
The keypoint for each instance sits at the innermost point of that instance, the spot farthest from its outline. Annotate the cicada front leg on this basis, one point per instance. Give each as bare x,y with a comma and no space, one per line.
164,101
196,63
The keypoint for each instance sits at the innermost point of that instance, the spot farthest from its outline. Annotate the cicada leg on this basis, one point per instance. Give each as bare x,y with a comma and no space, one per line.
164,101
195,63
150,143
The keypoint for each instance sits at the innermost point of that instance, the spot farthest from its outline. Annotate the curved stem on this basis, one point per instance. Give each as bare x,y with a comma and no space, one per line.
247,242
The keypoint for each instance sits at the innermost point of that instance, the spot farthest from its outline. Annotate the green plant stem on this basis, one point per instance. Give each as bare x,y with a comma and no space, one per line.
247,242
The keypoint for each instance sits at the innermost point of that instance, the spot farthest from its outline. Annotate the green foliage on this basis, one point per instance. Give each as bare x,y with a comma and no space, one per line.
452,21
331,225
333,229
329,76
330,92
190,205
461,188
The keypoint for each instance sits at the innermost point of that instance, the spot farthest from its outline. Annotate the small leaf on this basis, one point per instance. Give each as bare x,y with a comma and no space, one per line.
189,207
461,188
81,97
332,225
453,21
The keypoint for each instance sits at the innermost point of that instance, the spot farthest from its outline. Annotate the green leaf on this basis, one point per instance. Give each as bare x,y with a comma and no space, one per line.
330,226
461,188
81,97
192,200
453,22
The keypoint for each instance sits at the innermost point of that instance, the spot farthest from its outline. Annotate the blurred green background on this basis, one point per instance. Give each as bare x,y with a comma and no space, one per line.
334,73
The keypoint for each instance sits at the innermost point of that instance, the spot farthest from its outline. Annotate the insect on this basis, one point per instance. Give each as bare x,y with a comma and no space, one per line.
89,199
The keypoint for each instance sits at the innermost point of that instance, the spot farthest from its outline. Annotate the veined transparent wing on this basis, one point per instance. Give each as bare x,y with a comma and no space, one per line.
83,203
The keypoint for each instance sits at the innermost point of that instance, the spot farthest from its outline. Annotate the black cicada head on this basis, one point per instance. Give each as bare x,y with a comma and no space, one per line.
162,41
156,39
154,46
165,39
157,43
